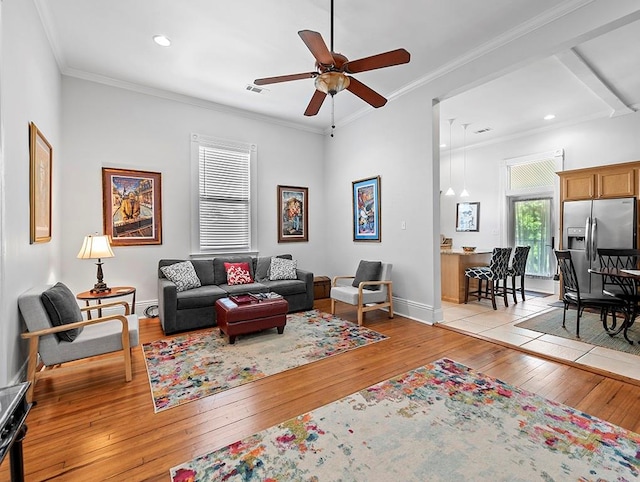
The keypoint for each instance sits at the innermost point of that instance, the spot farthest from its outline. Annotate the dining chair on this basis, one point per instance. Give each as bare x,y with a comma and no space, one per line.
573,296
492,274
618,259
517,270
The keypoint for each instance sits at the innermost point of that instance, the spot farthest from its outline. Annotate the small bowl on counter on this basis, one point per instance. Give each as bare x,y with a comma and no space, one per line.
468,249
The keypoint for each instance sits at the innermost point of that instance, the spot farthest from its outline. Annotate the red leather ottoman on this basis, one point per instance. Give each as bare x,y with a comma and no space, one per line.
237,319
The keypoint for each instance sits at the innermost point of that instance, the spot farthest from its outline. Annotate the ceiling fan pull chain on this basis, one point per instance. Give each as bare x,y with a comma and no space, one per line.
333,116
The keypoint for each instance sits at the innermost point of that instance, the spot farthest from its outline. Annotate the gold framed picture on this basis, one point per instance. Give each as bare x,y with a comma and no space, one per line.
40,167
132,206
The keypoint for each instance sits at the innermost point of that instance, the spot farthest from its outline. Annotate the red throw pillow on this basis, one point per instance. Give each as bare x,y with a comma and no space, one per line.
238,273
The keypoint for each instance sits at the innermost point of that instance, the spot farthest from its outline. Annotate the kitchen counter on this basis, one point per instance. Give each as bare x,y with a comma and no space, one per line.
453,262
461,251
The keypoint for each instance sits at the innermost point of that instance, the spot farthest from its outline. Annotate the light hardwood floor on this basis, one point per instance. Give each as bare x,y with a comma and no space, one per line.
91,425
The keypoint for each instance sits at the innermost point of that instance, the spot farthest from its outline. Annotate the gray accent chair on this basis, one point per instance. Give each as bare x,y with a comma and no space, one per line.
365,299
98,336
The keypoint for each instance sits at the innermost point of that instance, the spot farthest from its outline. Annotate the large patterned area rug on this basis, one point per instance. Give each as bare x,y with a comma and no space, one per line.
195,365
591,330
440,422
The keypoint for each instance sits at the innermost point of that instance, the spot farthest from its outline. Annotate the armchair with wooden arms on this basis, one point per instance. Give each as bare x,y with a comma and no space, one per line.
97,336
367,294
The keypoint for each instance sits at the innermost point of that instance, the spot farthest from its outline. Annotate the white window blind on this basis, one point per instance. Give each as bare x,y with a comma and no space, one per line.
533,174
224,181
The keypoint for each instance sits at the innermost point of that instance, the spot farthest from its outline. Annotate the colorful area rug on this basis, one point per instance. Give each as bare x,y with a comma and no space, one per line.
195,365
441,422
591,330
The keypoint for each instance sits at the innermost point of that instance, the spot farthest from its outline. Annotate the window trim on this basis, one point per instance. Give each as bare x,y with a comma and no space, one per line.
198,140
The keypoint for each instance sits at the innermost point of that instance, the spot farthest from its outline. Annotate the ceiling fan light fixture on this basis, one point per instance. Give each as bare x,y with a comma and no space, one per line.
331,82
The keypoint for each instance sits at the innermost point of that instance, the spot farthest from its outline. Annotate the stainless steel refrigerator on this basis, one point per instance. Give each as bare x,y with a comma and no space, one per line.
589,225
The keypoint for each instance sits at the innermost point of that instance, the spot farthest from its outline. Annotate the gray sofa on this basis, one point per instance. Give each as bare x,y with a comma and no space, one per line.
194,308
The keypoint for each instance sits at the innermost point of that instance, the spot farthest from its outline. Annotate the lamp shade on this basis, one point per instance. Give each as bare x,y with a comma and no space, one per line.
94,247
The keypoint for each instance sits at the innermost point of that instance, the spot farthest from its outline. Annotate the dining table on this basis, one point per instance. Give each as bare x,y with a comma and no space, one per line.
628,281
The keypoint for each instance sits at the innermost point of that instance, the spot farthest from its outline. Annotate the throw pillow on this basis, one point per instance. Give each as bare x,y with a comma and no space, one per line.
263,266
238,273
368,271
62,308
263,263
182,274
283,269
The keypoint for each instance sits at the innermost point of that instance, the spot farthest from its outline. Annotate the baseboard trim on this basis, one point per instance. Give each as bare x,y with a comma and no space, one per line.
416,311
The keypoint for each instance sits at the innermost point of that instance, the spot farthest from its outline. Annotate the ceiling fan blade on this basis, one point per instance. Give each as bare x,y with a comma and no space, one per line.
387,59
285,78
315,103
366,93
315,43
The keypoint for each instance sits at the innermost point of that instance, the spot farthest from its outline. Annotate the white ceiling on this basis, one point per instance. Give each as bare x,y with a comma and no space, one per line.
220,48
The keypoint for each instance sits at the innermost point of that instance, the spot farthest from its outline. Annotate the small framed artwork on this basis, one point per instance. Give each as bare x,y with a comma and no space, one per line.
41,164
131,206
293,206
468,217
366,210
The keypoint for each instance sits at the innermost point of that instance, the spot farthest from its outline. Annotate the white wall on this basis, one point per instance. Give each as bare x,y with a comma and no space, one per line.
105,126
30,93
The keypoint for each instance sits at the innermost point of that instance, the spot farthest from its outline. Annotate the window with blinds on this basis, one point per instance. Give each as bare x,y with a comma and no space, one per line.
224,203
540,173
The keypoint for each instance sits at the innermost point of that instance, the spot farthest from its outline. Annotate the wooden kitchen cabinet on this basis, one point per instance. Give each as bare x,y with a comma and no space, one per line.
603,182
453,263
578,186
616,182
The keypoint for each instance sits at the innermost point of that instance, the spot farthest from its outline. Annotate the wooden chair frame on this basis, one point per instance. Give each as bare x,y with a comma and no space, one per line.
362,308
33,374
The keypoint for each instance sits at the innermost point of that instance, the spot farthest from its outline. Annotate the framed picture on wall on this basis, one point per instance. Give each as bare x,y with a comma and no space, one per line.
40,165
468,217
293,206
366,210
131,206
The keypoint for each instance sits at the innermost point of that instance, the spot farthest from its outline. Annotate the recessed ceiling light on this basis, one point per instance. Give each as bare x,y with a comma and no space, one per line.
162,40
549,116
443,145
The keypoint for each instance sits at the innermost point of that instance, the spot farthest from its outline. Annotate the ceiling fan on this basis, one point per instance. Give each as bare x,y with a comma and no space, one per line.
332,69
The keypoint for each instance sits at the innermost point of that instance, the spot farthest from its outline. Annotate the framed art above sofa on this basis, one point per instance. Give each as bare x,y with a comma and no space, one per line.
132,206
293,205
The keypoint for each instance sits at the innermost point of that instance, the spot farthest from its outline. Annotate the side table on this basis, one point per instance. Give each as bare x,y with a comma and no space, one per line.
116,292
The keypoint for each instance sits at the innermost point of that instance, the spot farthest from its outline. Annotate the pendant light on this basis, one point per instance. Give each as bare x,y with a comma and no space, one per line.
464,192
450,191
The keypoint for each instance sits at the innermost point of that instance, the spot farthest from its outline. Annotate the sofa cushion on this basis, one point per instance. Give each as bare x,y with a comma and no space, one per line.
243,289
368,271
62,308
238,273
202,297
283,269
219,271
182,274
286,287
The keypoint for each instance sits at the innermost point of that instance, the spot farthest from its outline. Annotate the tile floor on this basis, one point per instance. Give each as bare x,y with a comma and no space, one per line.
479,318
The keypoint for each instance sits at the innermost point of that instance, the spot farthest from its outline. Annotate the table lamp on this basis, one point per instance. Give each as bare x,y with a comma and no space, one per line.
97,247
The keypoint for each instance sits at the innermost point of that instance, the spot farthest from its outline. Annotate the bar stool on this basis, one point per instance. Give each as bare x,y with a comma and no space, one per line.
492,274
518,268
